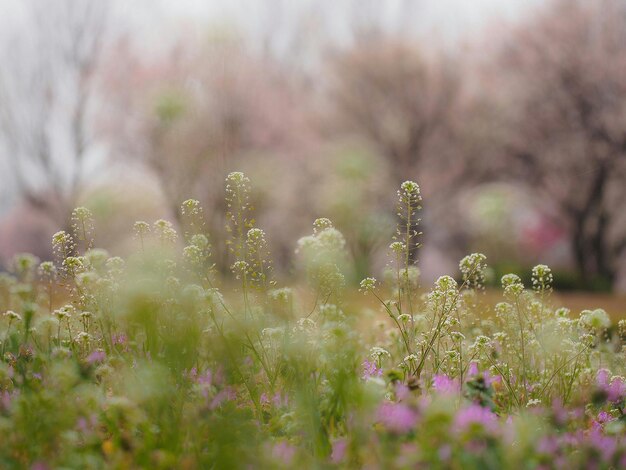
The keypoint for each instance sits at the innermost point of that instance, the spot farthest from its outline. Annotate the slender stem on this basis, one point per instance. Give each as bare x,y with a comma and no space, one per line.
6,336
393,317
523,344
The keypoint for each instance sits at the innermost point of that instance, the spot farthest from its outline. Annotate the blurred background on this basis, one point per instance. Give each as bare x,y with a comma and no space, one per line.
511,114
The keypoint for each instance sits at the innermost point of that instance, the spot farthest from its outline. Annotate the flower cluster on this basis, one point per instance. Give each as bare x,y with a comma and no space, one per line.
323,255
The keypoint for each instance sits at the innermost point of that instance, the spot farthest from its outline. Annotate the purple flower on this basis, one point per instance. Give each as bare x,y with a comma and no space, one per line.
280,400
6,398
548,445
339,450
476,415
82,425
604,417
444,452
96,356
120,340
397,417
559,412
223,395
284,451
218,377
604,444
577,413
402,391
491,379
206,378
602,378
473,371
370,370
573,439
616,389
444,384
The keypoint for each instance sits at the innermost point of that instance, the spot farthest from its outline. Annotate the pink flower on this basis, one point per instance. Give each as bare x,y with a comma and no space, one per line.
339,450
604,444
402,391
119,339
81,424
370,370
602,378
206,378
96,356
397,417
444,384
223,395
548,445
616,390
559,412
491,379
6,398
473,371
284,451
445,452
604,417
475,415
280,400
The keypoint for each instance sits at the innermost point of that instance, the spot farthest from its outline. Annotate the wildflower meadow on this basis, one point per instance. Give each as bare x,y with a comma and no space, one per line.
158,360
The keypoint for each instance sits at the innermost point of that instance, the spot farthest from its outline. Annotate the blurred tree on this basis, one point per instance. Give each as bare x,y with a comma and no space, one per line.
357,180
47,94
564,105
202,111
403,101
398,98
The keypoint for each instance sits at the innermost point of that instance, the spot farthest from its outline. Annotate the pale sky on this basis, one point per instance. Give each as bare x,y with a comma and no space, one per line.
448,18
